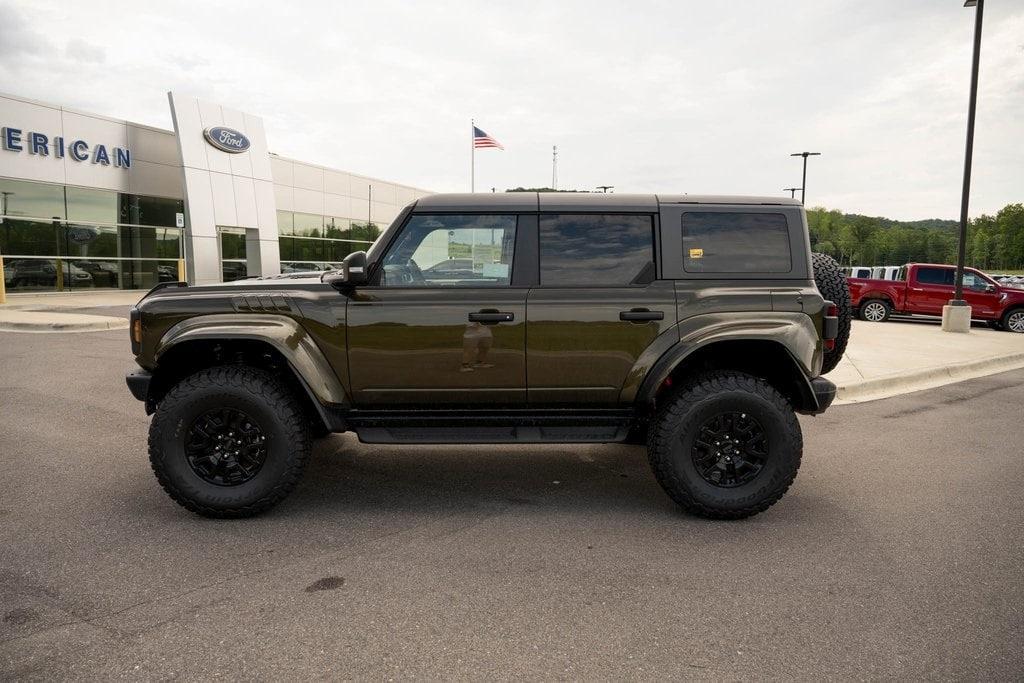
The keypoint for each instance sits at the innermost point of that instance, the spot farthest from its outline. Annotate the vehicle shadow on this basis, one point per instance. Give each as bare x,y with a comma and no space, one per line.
345,476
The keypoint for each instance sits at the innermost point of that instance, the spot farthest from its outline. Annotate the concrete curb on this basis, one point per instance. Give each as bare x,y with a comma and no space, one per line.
51,323
927,378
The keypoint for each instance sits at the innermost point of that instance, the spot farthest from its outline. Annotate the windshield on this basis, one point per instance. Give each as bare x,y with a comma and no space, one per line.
374,252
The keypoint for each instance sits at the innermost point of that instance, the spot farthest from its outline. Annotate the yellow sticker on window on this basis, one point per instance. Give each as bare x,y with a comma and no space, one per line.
696,253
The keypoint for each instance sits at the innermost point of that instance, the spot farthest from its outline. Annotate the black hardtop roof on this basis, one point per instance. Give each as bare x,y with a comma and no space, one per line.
583,201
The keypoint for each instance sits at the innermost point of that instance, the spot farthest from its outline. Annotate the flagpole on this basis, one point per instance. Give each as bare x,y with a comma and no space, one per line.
472,156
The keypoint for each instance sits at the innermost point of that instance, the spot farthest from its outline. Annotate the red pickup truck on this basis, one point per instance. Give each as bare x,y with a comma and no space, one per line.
924,288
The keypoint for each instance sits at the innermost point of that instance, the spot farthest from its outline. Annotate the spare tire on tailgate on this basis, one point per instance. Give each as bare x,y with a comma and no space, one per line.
833,287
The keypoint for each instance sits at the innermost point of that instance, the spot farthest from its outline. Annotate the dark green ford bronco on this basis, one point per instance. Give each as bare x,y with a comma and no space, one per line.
697,325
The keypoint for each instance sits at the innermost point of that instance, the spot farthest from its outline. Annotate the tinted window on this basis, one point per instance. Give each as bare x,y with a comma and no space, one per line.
935,276
451,251
39,200
141,210
93,205
596,250
725,242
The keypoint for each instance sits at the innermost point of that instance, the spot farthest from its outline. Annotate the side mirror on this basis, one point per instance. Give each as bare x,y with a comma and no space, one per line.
352,274
989,287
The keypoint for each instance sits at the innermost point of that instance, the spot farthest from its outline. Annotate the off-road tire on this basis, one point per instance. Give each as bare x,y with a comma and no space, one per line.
867,306
674,430
270,404
833,286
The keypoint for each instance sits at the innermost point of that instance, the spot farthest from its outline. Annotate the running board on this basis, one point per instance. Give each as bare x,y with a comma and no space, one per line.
479,427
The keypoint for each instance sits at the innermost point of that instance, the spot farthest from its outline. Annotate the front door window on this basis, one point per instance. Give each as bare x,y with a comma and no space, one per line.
452,251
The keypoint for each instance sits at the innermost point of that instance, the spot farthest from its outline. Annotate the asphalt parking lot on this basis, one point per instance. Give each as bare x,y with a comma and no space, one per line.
896,554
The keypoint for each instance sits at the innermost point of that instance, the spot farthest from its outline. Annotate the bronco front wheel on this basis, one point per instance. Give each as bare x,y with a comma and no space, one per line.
727,446
228,441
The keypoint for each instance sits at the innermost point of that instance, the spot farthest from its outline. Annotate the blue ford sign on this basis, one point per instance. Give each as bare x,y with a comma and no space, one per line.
226,139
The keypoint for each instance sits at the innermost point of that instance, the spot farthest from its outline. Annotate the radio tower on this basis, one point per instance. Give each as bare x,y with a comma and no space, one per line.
554,167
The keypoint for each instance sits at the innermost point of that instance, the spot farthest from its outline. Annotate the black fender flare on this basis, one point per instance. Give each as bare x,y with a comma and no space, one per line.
782,330
307,362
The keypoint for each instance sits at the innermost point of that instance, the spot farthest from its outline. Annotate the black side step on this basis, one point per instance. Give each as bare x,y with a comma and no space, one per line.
475,427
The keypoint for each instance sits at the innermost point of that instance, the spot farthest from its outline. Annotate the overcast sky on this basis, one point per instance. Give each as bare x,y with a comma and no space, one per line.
679,96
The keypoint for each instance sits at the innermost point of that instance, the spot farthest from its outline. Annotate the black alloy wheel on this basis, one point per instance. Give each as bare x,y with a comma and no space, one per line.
229,441
725,445
225,447
730,449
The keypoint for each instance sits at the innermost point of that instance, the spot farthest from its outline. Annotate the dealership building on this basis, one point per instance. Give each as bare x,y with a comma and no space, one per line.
88,201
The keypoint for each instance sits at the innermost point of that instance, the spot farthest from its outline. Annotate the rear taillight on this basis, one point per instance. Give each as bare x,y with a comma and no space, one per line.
830,327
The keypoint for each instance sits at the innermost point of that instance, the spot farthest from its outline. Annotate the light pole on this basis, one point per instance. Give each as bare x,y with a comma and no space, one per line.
958,321
791,191
604,188
803,185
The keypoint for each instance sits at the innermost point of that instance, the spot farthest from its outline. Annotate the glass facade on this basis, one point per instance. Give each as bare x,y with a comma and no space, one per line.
314,242
233,263
65,238
59,238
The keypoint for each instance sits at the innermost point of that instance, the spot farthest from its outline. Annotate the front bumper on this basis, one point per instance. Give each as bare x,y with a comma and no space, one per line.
824,393
138,381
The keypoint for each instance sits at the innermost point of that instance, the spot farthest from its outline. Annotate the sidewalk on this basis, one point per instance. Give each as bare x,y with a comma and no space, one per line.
68,312
72,300
898,357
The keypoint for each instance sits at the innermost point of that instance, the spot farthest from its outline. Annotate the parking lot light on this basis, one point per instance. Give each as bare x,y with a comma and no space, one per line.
956,315
803,185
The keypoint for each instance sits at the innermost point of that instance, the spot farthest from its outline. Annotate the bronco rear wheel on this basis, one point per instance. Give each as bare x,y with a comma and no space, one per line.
833,286
726,446
229,441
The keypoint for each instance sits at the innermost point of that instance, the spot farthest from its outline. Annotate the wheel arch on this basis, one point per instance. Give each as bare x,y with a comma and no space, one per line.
768,359
875,296
277,343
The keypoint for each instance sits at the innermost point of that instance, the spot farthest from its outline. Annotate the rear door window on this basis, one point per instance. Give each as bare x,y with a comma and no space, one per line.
735,242
596,250
935,276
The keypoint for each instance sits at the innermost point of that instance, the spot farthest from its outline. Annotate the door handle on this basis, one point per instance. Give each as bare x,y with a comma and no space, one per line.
491,317
635,315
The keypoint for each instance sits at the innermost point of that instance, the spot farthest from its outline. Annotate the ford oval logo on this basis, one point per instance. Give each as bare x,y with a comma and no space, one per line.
226,139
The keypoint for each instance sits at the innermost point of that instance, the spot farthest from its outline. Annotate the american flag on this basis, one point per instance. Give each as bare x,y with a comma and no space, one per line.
482,139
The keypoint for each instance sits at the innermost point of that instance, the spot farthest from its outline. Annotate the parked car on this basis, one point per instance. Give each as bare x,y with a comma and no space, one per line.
104,273
857,271
308,266
453,268
43,273
924,288
605,319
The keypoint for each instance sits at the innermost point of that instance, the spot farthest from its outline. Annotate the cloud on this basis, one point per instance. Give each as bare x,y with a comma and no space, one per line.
80,51
18,40
646,96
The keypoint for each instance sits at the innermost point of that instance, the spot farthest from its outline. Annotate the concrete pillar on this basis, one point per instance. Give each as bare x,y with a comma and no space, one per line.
262,256
956,317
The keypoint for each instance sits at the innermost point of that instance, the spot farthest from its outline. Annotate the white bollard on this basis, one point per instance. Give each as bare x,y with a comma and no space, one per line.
956,318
